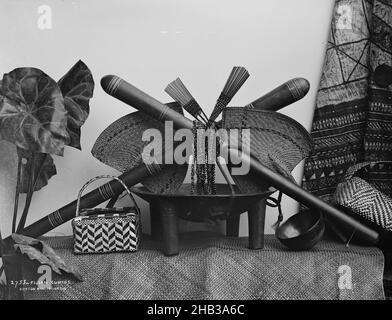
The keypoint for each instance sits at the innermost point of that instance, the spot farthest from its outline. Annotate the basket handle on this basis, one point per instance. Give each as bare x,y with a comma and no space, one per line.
106,177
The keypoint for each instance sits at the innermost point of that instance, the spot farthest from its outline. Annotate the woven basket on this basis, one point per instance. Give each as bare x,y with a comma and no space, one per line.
276,140
363,197
102,230
120,146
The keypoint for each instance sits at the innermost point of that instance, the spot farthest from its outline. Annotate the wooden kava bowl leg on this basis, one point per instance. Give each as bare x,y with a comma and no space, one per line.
256,222
155,222
168,214
233,225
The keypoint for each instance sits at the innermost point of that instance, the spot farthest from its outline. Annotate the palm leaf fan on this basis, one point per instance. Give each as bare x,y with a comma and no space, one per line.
177,90
276,140
120,146
235,81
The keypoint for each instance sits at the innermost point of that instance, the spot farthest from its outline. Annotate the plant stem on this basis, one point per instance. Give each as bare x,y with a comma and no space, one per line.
17,192
29,195
3,249
40,170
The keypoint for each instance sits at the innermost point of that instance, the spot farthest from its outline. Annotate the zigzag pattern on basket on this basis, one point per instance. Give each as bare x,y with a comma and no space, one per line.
118,235
363,199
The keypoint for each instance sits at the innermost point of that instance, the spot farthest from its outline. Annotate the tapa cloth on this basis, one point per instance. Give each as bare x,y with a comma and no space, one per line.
353,115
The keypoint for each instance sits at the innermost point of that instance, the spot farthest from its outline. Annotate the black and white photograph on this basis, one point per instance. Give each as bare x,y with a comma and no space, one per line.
198,156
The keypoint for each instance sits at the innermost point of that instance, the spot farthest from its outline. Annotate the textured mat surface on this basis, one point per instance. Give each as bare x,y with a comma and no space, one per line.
212,267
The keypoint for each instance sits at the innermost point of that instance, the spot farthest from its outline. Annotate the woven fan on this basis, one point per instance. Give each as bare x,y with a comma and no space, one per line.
177,90
237,78
276,140
120,146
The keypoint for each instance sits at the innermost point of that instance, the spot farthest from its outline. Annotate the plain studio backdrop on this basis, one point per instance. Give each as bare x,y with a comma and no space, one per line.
150,43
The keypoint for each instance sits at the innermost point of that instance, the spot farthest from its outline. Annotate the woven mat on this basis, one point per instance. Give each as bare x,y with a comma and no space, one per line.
212,267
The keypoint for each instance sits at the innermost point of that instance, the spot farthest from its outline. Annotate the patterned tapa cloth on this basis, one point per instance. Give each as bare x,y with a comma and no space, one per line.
215,267
353,116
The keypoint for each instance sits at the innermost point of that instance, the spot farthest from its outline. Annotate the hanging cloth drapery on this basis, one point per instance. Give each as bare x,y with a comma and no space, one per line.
353,116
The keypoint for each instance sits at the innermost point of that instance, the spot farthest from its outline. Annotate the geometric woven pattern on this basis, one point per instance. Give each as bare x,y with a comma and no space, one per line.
352,121
121,145
365,200
275,140
106,233
216,267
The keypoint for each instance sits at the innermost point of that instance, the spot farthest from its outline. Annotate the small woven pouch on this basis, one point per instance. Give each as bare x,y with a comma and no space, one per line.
363,198
101,230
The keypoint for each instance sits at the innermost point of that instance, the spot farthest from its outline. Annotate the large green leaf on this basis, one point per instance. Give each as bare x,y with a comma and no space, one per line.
32,113
44,169
40,251
77,87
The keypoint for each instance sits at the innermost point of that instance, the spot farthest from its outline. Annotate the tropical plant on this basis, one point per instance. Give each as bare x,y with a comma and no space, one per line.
40,117
38,250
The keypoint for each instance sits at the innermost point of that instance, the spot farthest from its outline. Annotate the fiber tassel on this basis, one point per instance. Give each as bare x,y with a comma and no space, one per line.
203,166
